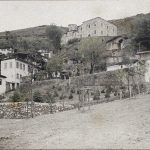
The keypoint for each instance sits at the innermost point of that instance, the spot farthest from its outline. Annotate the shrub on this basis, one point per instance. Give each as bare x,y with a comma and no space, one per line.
92,93
108,91
73,41
107,94
37,97
96,95
49,97
59,88
103,91
16,97
55,94
1,97
53,87
70,96
72,90
78,92
62,97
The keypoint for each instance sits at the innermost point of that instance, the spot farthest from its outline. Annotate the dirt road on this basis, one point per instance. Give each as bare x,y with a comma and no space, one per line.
118,124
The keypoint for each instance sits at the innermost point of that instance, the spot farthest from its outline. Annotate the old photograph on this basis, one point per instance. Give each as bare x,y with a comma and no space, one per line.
75,74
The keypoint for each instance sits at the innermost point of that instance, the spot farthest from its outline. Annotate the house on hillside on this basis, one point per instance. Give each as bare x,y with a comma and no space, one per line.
90,28
114,49
6,51
46,53
2,84
14,69
145,56
32,58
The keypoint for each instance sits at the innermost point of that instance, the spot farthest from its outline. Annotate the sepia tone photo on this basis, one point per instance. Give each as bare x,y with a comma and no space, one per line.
75,74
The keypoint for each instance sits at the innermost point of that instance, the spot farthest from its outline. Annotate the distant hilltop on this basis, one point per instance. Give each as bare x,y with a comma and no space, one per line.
128,25
124,26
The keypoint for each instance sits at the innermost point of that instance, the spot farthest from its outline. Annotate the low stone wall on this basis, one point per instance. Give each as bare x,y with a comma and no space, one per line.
21,110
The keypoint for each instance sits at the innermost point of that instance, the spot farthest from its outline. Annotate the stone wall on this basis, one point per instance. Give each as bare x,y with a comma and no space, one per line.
21,110
103,78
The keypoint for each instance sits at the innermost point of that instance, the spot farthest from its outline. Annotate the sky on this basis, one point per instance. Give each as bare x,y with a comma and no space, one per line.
23,14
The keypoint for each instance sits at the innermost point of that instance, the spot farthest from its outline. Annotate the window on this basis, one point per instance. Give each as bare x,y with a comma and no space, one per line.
101,32
10,64
23,66
94,31
0,81
17,75
101,24
17,64
89,25
107,27
20,76
46,55
5,65
89,35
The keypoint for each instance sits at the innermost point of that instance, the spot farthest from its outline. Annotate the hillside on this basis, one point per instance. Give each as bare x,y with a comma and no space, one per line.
33,35
130,24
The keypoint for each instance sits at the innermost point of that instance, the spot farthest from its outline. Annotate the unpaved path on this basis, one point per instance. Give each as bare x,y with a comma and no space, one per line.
118,124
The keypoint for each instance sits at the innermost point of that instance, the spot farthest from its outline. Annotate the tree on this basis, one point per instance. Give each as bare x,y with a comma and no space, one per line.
54,64
37,97
50,99
54,35
93,52
16,97
141,35
11,39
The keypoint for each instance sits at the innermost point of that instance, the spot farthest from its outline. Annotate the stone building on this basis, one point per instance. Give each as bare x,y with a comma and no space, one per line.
115,48
90,28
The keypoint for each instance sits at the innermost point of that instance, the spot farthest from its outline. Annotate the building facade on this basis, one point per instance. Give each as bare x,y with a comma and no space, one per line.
2,84
14,70
90,28
115,48
46,53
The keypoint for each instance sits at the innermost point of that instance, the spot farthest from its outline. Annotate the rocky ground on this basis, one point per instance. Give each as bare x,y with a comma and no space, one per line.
118,124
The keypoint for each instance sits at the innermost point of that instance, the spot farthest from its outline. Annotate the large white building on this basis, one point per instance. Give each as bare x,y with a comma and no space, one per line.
2,84
14,69
90,28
